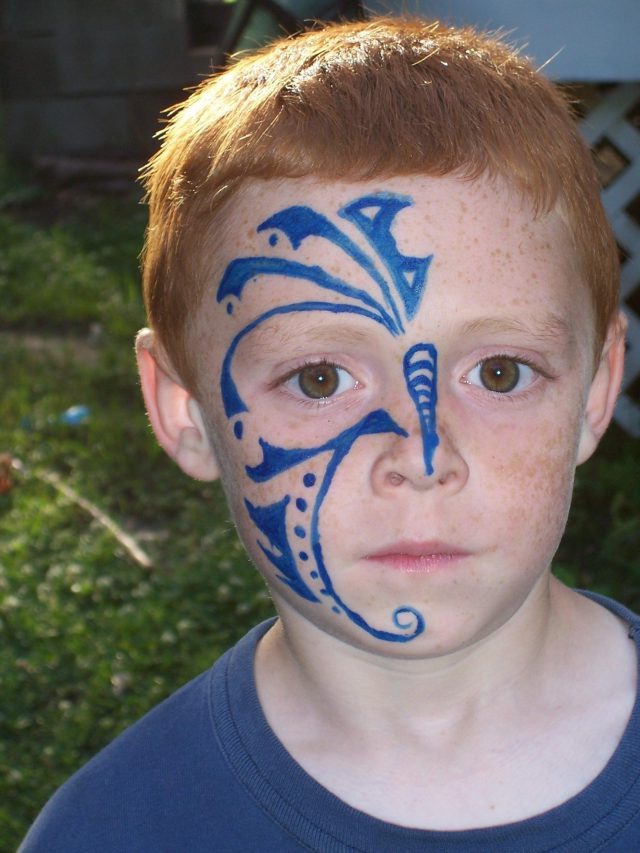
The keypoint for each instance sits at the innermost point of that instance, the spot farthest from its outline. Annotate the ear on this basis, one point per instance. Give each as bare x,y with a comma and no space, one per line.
604,390
174,414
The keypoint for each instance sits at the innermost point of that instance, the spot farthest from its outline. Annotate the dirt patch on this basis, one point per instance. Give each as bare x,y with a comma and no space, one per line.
59,346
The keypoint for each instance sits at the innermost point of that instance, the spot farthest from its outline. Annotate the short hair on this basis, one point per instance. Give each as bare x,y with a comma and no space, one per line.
358,101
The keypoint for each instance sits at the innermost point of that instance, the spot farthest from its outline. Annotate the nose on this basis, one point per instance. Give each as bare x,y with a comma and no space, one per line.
428,456
401,465
420,367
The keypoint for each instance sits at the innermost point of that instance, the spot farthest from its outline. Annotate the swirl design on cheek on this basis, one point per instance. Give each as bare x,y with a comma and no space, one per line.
271,520
290,528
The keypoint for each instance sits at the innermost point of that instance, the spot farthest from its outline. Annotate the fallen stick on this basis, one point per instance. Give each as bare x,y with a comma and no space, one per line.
126,540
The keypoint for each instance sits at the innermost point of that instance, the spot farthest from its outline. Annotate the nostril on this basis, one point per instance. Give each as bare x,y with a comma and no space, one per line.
395,479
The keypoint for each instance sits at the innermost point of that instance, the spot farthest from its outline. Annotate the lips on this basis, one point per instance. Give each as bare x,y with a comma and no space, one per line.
425,557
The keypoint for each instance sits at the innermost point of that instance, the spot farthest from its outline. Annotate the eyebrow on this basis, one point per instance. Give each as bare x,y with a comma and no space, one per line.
548,327
270,338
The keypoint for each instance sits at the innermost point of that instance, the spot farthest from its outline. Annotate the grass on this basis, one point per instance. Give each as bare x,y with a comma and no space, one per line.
90,639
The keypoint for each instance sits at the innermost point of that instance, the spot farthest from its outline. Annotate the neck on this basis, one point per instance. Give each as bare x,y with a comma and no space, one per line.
302,670
508,727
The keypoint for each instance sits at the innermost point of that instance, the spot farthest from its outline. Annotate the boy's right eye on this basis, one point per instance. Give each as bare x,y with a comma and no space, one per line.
319,381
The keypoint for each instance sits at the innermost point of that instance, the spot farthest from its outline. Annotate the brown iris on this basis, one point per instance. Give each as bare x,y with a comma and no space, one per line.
500,374
318,380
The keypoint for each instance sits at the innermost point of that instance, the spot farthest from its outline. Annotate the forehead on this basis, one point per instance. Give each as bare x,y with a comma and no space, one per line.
490,255
436,204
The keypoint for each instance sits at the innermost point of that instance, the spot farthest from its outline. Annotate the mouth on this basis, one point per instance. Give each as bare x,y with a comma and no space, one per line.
425,557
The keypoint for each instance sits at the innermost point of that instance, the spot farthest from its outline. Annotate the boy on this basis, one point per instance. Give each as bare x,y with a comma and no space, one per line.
383,297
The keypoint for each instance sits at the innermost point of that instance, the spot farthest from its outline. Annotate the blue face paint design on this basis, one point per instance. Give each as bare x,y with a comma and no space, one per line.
396,299
270,520
375,220
420,372
231,400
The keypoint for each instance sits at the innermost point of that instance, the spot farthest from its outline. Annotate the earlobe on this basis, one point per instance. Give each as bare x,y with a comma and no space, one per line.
174,414
604,390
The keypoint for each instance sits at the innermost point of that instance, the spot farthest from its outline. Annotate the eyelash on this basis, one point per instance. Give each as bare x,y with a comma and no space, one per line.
321,402
311,402
509,396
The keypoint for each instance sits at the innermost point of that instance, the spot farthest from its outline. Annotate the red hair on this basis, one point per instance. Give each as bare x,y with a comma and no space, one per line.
356,101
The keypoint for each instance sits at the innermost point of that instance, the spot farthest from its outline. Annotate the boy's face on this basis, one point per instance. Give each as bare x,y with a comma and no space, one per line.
394,379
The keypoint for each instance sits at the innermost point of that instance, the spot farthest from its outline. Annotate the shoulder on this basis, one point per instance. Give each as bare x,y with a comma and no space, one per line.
150,781
627,616
121,784
603,645
609,635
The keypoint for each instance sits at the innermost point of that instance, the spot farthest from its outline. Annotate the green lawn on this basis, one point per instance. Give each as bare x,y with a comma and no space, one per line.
90,637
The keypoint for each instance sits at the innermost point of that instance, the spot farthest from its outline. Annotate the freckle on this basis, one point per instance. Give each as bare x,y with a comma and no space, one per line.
309,480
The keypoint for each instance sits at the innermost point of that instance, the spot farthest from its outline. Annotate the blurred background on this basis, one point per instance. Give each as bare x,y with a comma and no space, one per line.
119,578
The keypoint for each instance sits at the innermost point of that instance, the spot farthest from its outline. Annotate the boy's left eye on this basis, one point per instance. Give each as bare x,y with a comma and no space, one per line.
501,374
319,381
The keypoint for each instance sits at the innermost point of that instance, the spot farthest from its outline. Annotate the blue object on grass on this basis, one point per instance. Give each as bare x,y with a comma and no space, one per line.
75,415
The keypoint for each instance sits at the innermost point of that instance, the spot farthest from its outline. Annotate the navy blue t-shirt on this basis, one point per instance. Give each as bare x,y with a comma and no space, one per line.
204,772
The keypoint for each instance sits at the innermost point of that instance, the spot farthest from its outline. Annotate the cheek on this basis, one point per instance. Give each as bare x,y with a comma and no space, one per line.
532,479
289,494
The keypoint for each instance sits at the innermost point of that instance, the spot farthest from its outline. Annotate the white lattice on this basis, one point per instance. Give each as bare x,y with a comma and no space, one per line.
609,128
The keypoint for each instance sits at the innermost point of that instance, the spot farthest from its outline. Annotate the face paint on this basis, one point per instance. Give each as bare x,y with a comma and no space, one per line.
421,373
294,547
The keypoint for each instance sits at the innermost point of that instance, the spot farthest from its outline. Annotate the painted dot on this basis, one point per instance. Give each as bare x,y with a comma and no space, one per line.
324,592
300,532
314,575
238,429
301,504
336,609
309,480
304,556
229,308
273,240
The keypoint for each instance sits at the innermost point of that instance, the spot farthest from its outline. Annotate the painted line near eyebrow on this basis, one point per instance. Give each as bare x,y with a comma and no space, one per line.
231,399
242,270
374,216
299,222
